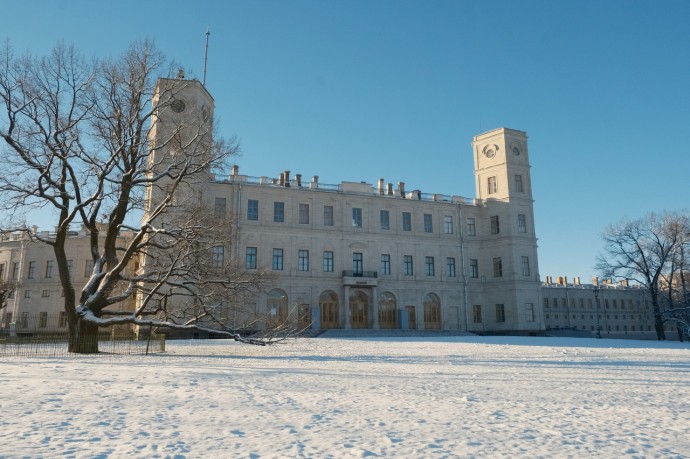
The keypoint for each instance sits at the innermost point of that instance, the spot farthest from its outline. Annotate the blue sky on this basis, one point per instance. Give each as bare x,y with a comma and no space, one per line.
358,90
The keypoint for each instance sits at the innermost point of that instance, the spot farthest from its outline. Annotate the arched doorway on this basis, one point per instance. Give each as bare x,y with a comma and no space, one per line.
359,310
432,312
328,302
277,306
387,311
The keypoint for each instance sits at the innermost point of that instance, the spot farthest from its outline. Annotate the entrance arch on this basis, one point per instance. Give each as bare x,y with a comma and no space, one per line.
432,312
387,311
328,302
359,310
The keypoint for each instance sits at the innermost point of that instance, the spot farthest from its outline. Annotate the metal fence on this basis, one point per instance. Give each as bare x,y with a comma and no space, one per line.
46,337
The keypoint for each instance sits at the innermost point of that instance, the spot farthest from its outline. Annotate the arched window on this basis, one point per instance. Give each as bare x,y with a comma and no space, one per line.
277,306
387,310
432,312
328,302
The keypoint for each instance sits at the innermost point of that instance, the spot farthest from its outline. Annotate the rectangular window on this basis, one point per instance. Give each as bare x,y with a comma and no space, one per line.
2,271
43,319
407,221
474,268
70,268
448,224
218,256
49,269
525,266
304,214
546,303
385,220
518,183
529,310
357,264
477,313
303,260
498,267
385,264
252,209
493,185
88,268
62,319
277,264
500,313
471,227
429,264
15,270
450,265
278,212
428,224
495,229
407,264
522,223
25,320
328,262
327,216
357,217
250,258
27,293
32,270
219,206
45,293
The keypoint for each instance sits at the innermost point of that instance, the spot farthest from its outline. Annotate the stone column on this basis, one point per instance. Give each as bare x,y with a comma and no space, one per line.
345,309
375,307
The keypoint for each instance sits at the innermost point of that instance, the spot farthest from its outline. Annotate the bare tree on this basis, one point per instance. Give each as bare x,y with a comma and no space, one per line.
81,139
644,251
7,289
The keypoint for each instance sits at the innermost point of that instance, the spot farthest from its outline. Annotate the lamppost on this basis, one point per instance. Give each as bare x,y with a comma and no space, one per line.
596,298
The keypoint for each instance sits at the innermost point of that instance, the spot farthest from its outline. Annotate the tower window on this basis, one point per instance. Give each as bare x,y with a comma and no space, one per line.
518,183
495,229
493,185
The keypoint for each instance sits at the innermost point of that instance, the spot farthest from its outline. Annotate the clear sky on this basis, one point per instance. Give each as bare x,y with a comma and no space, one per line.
356,90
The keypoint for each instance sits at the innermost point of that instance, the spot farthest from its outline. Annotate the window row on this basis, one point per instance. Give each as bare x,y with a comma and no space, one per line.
49,271
518,185
328,262
494,225
500,313
497,265
303,216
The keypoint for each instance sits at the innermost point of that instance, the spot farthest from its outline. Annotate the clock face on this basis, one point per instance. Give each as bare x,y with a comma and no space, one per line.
177,105
490,151
516,151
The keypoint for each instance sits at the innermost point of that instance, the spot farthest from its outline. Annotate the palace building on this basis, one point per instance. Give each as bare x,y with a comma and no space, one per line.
358,255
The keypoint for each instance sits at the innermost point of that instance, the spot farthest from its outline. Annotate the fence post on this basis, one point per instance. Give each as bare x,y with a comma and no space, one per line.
162,339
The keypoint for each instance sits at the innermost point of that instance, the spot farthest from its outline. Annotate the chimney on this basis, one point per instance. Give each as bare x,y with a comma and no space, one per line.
298,177
548,280
576,280
381,186
282,179
315,179
401,188
287,178
235,170
595,280
389,189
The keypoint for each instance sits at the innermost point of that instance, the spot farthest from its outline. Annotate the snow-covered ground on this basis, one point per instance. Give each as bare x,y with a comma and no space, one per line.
421,397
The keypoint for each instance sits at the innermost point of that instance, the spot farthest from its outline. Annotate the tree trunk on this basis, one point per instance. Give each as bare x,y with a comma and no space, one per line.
85,340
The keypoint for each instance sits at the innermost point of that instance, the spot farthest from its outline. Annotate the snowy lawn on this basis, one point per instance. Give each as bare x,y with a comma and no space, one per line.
417,397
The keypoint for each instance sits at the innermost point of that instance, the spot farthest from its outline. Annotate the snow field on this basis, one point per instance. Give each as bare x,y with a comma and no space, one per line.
417,397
